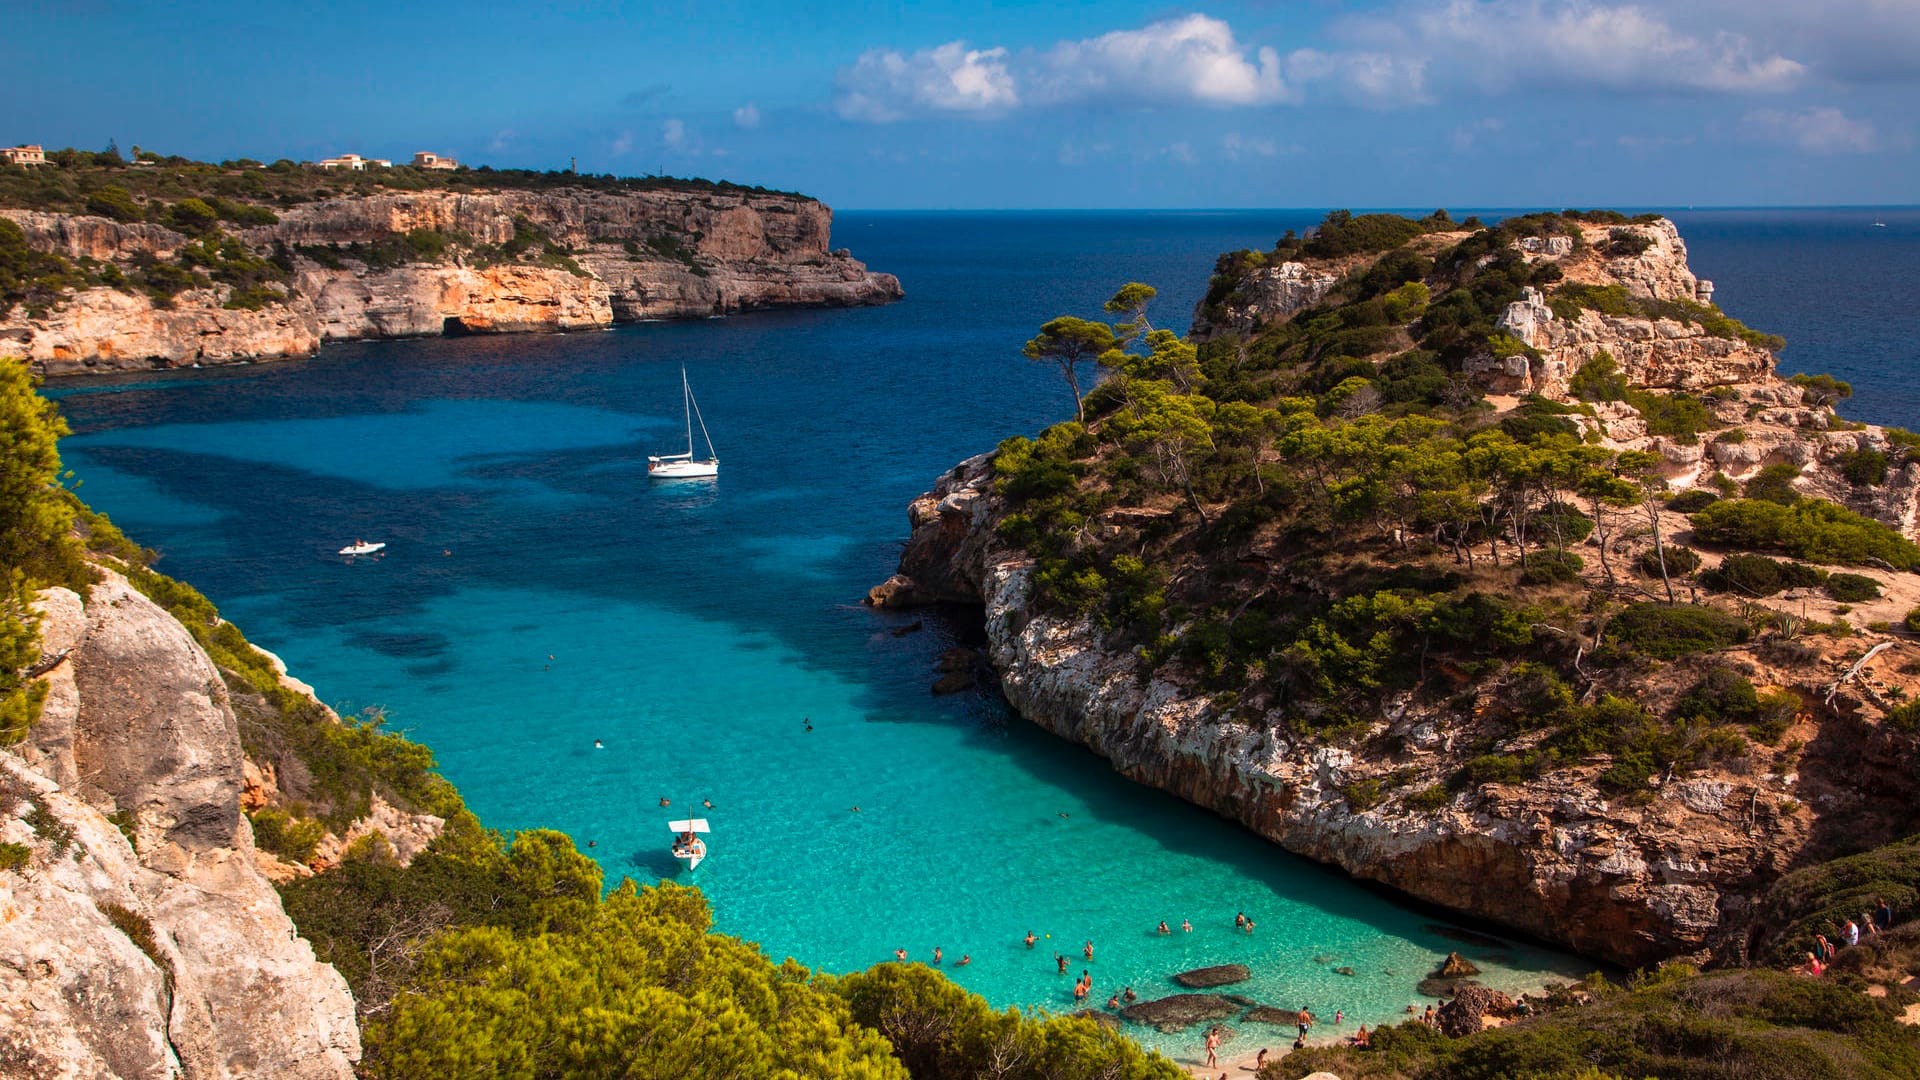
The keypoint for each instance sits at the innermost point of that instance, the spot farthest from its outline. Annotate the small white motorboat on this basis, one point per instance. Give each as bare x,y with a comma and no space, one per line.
361,547
686,840
686,466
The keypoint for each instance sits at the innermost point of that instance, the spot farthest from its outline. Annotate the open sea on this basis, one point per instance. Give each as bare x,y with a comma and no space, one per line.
538,593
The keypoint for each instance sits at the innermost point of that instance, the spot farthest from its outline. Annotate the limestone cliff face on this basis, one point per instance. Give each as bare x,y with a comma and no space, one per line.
148,945
1626,883
1627,880
644,255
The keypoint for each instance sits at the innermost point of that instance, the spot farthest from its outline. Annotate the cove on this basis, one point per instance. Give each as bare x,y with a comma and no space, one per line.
539,593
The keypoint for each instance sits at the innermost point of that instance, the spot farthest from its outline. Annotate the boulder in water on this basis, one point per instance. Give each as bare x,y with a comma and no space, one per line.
1180,1011
1218,975
1455,967
1267,1014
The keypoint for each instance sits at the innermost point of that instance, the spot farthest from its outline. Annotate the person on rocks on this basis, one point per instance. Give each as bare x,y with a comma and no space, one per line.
1850,933
1814,967
1427,1017
1822,948
1882,915
1867,925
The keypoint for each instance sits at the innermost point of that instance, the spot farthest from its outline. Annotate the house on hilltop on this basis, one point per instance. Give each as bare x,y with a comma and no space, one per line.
427,160
24,154
354,162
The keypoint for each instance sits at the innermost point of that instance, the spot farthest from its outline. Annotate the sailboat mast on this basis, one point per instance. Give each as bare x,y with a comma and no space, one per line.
686,402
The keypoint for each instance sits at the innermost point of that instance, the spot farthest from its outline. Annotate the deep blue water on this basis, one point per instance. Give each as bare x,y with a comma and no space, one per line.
539,592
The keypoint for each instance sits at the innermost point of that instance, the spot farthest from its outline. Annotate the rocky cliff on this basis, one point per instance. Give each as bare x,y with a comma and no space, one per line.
140,938
1631,878
602,258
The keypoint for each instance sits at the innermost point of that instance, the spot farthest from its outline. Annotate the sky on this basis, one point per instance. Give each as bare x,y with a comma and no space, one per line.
933,104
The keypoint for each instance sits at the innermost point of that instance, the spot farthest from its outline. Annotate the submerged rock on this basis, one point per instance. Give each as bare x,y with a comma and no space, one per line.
1455,967
1180,1011
1217,975
1267,1014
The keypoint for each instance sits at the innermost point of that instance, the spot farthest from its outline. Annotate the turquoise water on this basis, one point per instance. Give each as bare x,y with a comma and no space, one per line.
538,593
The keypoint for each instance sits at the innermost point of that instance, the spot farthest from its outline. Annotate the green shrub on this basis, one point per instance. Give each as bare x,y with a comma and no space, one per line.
1666,632
1692,501
1341,233
138,929
1672,414
1775,484
1822,389
1757,575
1732,436
1777,709
1905,716
14,856
1551,567
114,202
1428,799
1679,560
1626,243
1852,588
1912,620
1722,696
292,838
1599,379
1863,467
1811,529
1363,795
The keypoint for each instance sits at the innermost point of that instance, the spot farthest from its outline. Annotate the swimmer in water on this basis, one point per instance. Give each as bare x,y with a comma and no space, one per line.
1061,960
1163,927
708,803
1113,1002
1186,926
900,955
593,843
853,809
809,724
936,954
1089,950
1130,995
965,959
1030,939
664,801
598,745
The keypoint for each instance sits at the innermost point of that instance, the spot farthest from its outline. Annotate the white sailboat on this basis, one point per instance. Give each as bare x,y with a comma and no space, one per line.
686,466
686,840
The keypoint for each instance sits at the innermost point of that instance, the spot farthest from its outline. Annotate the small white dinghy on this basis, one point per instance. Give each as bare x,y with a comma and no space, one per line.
361,547
686,840
686,466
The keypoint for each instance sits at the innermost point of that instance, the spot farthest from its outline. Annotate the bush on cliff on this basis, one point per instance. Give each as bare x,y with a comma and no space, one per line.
36,542
1811,529
1676,1026
1666,632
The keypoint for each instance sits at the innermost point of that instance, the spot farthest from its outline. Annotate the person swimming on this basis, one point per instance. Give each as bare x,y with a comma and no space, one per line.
598,745
1163,927
1113,1002
1130,995
965,959
1239,919
900,955
1186,926
664,801
1060,959
708,803
936,954
1089,950
1030,939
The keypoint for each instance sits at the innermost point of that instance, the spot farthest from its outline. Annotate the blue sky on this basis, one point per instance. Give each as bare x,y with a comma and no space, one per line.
1411,103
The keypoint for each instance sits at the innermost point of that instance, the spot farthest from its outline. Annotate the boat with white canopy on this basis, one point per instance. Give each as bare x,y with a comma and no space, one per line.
686,840
686,466
361,547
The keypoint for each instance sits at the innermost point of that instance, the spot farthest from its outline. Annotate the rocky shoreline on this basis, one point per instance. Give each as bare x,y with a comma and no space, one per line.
1631,882
634,256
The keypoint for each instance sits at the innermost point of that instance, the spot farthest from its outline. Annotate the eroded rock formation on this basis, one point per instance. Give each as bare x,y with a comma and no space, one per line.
141,940
640,255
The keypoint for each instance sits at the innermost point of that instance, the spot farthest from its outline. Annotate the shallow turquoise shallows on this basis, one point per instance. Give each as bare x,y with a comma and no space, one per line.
538,592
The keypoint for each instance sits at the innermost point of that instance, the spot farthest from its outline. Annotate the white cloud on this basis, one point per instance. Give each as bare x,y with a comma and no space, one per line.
1194,60
1189,60
1237,146
1494,46
885,85
747,116
502,140
1371,78
673,132
622,143
1816,130
1181,151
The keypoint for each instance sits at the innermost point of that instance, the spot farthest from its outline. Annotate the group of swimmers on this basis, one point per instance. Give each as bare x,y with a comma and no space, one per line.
938,956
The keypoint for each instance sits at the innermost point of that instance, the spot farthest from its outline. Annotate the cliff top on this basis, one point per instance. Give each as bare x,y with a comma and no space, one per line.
1448,539
78,182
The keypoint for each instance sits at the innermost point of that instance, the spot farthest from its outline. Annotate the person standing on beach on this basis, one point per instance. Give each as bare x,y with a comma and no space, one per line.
1305,1020
1213,1047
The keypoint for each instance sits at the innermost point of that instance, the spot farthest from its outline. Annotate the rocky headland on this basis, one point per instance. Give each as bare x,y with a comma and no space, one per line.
279,284
1360,658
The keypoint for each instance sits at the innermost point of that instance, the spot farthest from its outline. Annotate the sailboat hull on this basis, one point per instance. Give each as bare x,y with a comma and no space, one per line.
682,470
